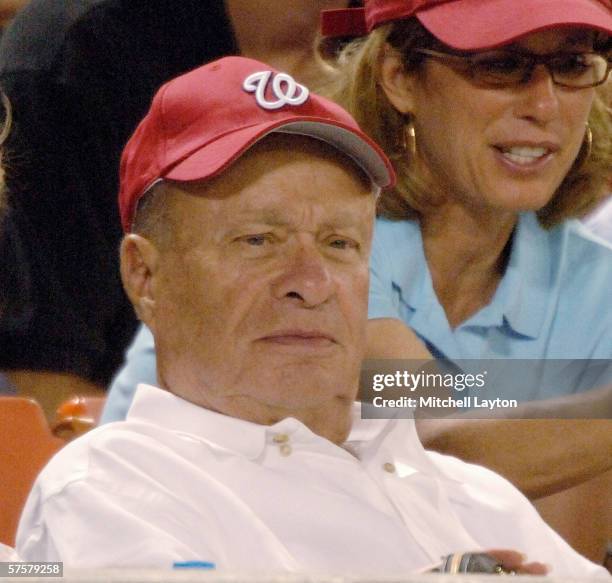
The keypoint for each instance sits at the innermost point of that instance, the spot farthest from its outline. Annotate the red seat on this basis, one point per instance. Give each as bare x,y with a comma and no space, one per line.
77,415
26,444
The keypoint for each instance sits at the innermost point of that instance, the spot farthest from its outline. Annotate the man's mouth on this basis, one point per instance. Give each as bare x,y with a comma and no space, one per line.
300,337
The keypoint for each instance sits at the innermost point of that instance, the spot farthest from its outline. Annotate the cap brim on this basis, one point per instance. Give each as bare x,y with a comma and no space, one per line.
214,157
485,24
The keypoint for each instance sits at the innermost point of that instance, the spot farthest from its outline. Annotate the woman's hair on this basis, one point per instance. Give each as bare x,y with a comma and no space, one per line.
353,71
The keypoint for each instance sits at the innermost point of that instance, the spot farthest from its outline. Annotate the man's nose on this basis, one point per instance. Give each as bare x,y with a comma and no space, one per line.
539,96
306,277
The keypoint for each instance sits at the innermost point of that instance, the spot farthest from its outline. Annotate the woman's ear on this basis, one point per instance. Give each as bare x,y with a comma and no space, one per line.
139,263
397,84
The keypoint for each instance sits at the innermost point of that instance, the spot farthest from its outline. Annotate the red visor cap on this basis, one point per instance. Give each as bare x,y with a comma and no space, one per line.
473,24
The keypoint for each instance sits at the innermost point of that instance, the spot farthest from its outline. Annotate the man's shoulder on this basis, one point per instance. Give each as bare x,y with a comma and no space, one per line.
102,456
483,486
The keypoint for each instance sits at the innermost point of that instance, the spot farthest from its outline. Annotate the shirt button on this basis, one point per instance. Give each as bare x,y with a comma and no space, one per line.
285,449
280,438
389,467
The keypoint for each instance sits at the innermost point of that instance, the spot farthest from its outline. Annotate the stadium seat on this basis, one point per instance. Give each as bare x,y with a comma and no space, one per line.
77,415
26,444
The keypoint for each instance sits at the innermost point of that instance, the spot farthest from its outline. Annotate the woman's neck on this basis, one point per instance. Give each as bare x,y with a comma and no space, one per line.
466,252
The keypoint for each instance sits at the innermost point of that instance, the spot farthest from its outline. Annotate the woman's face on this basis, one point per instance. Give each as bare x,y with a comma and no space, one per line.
496,147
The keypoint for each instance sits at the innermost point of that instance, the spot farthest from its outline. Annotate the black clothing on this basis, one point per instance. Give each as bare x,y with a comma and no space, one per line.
80,75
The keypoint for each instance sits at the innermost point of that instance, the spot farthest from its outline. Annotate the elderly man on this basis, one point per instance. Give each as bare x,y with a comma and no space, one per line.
81,74
248,204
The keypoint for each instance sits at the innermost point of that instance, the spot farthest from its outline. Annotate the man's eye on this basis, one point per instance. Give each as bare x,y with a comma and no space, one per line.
339,243
255,240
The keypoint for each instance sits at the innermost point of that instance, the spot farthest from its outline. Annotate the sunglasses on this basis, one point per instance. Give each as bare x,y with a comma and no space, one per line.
577,70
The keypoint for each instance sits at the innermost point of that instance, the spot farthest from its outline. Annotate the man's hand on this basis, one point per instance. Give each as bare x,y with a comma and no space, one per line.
515,561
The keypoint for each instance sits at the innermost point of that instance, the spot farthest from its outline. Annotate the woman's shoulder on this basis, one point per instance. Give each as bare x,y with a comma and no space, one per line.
586,252
393,231
584,275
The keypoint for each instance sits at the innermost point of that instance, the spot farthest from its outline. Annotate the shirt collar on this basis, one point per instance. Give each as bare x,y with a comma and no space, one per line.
367,436
154,405
525,290
397,435
409,265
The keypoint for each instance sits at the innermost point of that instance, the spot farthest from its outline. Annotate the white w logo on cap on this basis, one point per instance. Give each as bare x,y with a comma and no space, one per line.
284,87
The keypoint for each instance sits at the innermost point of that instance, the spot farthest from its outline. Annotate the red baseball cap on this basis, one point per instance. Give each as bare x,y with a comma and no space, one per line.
202,121
472,24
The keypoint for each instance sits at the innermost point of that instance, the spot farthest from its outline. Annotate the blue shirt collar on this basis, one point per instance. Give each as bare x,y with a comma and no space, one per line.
524,294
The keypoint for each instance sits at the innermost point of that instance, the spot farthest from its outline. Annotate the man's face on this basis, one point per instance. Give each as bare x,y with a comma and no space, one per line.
261,300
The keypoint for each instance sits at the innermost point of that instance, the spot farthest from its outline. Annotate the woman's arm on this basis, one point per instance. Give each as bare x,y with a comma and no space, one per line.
391,338
541,446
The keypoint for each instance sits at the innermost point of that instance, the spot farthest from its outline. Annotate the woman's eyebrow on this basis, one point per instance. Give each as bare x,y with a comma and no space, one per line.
581,39
578,37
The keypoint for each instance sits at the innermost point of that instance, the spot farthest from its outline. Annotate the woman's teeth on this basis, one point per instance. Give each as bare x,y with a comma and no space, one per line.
523,154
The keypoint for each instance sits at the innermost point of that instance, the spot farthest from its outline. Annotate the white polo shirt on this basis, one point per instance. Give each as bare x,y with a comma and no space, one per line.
176,482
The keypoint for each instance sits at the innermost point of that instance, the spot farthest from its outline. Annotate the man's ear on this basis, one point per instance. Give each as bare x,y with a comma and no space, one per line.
139,263
395,82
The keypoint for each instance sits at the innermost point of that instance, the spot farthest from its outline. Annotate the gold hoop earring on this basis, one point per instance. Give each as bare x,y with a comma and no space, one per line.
585,148
408,138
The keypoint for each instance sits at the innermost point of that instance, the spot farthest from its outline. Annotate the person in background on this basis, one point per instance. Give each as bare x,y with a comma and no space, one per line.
5,386
248,204
5,128
499,137
8,10
80,75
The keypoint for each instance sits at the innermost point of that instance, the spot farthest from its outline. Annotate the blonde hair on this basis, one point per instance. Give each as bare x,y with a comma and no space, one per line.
353,75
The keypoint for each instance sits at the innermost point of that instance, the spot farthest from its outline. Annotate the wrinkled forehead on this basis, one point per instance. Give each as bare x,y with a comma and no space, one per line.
262,174
284,180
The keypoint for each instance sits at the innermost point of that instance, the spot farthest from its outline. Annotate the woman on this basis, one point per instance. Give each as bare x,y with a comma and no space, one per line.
499,138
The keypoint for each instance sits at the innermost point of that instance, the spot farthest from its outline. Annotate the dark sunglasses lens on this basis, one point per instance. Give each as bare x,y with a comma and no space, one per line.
579,70
500,68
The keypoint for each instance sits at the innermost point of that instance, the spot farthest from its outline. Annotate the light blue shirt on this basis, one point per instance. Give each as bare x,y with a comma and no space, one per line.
553,302
139,367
